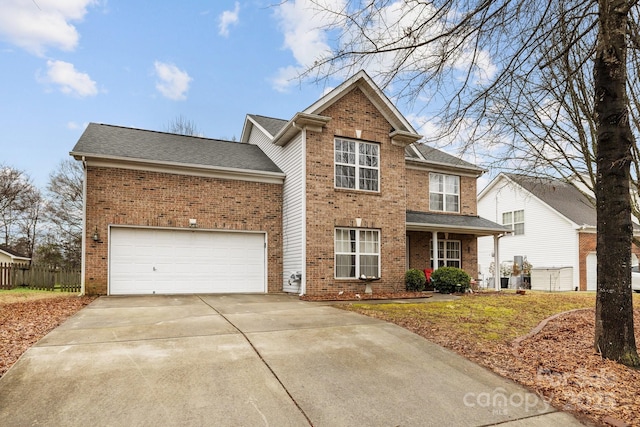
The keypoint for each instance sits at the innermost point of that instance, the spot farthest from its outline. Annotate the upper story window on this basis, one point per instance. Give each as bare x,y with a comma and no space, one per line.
357,164
444,192
515,220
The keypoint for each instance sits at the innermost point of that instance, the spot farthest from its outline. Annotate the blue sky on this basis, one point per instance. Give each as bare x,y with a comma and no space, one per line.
139,64
143,63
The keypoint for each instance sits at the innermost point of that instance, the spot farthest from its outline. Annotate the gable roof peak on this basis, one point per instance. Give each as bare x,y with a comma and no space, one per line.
372,91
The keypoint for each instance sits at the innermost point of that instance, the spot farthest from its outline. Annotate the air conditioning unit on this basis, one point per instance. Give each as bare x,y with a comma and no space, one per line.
295,277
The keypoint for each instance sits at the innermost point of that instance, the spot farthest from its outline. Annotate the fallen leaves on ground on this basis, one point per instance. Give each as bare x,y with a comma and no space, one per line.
559,363
23,323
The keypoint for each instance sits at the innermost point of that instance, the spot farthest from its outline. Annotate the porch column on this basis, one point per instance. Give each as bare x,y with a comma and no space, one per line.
496,260
434,245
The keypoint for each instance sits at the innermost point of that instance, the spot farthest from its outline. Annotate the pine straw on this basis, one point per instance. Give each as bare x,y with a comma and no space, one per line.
23,323
559,362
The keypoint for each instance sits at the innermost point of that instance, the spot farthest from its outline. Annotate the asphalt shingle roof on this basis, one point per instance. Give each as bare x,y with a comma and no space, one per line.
438,156
457,221
270,124
561,196
12,252
100,140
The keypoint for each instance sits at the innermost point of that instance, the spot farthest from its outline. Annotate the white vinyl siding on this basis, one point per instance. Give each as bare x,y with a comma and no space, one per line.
444,192
357,253
357,165
551,240
289,160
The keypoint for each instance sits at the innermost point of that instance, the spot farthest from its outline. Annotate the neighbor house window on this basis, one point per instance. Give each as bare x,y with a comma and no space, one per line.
357,252
357,164
444,192
448,253
515,220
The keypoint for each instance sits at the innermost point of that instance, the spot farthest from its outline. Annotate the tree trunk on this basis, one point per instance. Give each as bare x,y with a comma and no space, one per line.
614,334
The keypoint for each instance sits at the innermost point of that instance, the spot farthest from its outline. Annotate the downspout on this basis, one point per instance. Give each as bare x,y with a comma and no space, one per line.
303,278
496,255
434,244
83,262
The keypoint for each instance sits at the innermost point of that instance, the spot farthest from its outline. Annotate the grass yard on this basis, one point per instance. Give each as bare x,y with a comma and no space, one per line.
483,316
26,294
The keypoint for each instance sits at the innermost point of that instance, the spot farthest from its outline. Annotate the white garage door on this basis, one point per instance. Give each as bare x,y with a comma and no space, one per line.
147,261
592,270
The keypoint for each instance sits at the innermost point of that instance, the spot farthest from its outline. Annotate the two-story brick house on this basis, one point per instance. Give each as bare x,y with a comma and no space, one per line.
306,205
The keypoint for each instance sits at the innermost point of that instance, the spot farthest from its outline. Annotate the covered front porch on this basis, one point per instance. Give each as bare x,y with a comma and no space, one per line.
435,240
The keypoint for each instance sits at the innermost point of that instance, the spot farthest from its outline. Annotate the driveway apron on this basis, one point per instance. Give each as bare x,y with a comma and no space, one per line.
251,360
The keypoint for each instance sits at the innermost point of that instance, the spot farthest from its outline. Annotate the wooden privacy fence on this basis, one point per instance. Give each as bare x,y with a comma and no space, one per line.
42,277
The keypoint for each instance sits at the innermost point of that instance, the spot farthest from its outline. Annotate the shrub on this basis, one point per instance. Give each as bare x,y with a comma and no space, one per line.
415,280
450,279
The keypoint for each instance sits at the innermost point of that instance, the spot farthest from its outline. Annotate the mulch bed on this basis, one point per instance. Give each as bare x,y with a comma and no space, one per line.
358,296
22,324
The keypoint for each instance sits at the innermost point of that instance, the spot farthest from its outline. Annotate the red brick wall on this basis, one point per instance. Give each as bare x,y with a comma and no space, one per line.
328,208
420,251
131,197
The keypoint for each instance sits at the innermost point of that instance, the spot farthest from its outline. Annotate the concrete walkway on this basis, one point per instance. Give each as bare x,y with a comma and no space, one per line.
251,360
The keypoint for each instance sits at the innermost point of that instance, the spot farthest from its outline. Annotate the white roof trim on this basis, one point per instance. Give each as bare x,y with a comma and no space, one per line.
15,257
479,231
249,123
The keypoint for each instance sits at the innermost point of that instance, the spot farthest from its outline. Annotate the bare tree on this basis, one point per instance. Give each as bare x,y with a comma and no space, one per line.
30,206
482,62
14,185
64,209
182,126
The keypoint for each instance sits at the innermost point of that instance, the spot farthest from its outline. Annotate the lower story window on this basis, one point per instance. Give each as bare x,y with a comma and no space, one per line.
357,253
448,253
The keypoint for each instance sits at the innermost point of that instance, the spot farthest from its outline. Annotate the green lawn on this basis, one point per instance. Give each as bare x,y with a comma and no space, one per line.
483,316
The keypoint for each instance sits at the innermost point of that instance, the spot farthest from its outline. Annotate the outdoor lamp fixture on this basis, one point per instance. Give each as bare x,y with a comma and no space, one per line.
193,223
95,236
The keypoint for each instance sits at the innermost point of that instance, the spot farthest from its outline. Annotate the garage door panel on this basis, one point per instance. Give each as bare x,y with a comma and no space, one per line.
171,261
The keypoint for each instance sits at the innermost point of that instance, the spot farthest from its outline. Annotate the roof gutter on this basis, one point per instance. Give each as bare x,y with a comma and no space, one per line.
162,166
480,231
477,171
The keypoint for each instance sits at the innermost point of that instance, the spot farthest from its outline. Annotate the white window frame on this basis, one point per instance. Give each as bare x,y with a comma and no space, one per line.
443,181
516,226
357,250
359,164
444,255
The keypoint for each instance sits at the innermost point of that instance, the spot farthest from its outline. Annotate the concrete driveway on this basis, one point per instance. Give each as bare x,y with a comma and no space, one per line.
251,360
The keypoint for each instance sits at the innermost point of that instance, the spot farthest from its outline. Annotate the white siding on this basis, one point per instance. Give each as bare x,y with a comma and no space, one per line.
549,239
289,159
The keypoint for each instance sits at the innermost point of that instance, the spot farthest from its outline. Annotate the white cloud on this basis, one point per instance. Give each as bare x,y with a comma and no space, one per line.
69,80
36,25
173,83
310,26
302,23
228,18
